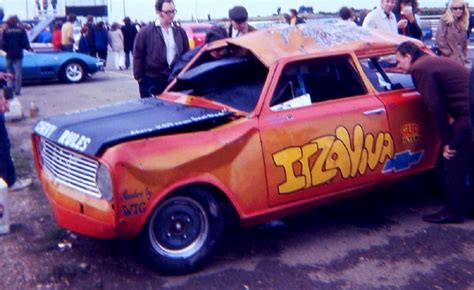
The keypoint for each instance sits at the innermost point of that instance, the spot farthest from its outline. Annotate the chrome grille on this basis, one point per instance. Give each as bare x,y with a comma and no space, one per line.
70,168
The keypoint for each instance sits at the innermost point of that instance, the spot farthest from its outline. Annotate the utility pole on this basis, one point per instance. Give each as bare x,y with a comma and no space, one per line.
124,11
26,5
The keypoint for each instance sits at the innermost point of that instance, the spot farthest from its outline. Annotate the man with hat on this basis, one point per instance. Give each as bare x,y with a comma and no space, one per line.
238,18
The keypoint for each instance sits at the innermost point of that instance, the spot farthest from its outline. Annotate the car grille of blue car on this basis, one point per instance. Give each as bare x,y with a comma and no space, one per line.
69,168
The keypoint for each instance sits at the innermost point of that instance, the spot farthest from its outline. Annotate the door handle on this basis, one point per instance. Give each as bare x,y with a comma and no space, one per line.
374,112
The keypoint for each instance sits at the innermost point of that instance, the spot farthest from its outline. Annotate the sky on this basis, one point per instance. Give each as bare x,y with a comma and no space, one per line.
188,9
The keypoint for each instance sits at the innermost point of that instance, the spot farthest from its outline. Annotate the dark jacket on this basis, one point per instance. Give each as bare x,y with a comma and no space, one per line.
129,32
14,40
101,39
91,35
83,45
412,30
444,86
149,52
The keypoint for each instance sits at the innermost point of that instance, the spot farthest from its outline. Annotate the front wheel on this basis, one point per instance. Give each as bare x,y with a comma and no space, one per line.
182,232
73,72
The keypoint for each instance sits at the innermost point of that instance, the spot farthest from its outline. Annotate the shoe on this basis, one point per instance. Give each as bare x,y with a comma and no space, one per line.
444,217
20,184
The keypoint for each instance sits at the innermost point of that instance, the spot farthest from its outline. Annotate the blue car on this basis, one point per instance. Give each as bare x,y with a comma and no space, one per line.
69,67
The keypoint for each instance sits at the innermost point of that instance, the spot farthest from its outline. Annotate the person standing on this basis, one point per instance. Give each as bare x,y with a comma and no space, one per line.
129,32
294,18
14,41
239,22
116,43
347,15
7,167
83,43
91,35
405,13
67,38
451,36
101,38
156,49
382,18
57,35
444,86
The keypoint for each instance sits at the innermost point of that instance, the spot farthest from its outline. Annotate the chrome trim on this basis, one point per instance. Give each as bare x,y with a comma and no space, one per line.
69,168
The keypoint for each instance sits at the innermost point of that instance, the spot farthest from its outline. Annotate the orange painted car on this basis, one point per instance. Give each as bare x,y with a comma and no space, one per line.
289,119
196,33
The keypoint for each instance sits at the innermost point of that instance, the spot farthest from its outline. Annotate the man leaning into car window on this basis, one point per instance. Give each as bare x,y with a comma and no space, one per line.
444,86
14,41
152,67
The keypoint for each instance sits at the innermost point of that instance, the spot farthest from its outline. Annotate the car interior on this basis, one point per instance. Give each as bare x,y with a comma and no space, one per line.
233,81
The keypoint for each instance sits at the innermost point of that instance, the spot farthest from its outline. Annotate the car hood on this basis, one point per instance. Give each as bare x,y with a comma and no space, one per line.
92,131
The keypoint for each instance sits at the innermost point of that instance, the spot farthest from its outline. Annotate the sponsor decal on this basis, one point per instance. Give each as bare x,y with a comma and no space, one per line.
320,160
45,129
403,161
410,133
135,203
170,125
74,140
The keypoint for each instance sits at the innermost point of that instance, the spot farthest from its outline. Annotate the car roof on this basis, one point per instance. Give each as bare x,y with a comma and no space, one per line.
323,37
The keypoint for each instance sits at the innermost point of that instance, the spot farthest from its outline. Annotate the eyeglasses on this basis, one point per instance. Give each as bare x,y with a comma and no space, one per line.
457,8
170,12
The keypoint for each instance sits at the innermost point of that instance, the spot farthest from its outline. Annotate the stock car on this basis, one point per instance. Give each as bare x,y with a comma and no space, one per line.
292,118
68,67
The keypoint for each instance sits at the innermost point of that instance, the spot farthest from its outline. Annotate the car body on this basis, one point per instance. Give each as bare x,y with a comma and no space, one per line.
196,33
296,117
66,66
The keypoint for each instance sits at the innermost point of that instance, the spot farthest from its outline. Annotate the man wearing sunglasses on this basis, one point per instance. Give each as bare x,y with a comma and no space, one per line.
157,47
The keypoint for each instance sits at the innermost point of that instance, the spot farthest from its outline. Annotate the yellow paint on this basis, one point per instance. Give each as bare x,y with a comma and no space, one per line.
334,154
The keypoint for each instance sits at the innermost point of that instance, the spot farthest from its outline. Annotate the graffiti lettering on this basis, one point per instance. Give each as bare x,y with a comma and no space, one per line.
45,129
320,161
74,140
133,209
411,133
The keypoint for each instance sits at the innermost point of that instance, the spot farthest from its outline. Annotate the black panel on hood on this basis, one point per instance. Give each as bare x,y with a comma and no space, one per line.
93,130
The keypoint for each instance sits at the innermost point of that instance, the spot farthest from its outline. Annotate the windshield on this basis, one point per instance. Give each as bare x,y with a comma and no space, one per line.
233,81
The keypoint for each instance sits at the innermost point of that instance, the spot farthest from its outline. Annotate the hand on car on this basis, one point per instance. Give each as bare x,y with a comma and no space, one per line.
448,153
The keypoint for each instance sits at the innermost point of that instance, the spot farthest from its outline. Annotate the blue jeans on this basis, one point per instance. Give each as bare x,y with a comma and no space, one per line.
14,66
7,169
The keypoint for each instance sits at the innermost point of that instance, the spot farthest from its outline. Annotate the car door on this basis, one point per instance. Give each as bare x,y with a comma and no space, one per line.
322,132
415,138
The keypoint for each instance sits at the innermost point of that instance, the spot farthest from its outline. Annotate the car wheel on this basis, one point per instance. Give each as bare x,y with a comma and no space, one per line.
182,232
73,72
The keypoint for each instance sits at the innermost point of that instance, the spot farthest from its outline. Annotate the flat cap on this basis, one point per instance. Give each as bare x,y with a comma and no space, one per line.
238,14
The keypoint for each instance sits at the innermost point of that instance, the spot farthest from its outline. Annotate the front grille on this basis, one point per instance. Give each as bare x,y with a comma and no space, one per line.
69,168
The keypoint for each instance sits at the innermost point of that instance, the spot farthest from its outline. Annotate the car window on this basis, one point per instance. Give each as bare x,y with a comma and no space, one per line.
234,81
307,82
384,75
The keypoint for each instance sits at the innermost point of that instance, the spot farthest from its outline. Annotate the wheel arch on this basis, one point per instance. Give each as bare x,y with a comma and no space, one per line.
230,208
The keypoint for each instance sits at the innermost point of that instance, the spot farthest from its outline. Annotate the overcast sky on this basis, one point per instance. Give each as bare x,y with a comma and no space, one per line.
187,9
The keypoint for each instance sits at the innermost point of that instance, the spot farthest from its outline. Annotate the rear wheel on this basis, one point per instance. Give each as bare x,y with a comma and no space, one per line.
182,232
73,72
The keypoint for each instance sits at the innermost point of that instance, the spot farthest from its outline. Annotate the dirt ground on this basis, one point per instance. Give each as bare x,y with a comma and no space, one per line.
374,242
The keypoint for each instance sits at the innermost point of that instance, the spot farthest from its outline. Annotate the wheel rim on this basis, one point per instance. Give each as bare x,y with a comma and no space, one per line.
178,228
74,72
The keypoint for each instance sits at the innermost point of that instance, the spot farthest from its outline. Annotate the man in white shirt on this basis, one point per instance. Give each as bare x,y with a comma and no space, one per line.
238,22
157,47
382,17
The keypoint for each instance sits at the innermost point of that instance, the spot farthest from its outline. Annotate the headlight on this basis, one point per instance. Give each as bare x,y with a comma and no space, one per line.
104,182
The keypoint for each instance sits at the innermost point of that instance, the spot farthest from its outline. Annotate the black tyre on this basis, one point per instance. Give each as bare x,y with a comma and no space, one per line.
182,232
72,72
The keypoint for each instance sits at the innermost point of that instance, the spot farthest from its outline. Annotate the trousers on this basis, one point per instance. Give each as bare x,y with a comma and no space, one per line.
14,66
7,169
